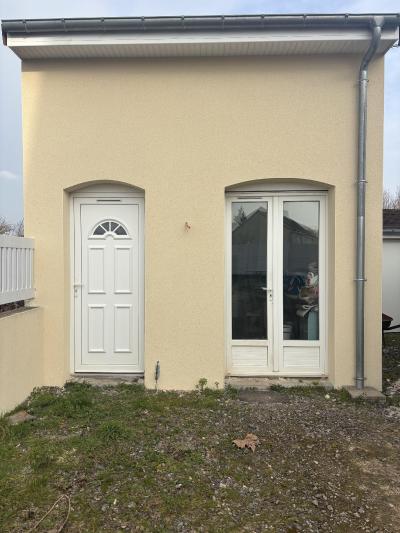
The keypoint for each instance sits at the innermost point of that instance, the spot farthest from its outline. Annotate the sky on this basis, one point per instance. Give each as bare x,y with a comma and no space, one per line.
11,189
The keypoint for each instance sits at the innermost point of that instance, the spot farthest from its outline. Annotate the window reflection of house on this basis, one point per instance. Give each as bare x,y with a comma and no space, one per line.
300,274
249,281
300,246
249,262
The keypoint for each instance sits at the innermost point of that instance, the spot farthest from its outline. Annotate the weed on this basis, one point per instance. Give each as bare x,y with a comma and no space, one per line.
74,386
278,388
40,458
4,429
112,431
41,400
343,395
393,400
202,384
301,390
230,391
131,388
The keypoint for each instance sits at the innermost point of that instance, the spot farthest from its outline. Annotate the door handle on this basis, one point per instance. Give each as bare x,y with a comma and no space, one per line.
76,287
269,291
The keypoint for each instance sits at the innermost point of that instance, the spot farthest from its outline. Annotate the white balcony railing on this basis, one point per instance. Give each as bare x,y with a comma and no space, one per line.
16,269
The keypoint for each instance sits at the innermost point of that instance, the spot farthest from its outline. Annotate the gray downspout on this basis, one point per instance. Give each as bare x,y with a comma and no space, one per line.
360,280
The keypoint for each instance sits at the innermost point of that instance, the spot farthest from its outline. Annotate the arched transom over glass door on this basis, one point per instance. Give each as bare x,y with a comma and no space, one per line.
276,284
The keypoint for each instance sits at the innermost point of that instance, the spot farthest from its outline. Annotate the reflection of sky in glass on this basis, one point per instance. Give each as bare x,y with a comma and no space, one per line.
248,207
304,213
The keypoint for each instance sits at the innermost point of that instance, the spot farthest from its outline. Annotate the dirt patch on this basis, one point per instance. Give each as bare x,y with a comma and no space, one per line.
264,397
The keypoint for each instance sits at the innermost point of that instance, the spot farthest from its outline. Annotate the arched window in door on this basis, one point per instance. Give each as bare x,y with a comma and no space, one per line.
109,227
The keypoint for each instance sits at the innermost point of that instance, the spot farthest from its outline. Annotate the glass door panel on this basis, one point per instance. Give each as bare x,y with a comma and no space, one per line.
249,270
276,285
301,228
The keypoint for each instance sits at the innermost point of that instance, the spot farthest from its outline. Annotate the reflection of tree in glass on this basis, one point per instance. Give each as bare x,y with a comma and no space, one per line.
239,218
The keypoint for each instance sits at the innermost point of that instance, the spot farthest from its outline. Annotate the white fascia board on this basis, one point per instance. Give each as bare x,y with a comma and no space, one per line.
144,44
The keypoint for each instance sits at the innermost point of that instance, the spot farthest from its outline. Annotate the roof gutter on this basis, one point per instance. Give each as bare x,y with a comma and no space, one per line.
377,23
188,24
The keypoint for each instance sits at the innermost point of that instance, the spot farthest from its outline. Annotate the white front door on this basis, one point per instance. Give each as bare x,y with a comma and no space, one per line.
108,284
276,279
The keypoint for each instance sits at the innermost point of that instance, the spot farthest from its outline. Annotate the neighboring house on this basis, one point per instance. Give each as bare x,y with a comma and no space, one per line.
391,264
191,184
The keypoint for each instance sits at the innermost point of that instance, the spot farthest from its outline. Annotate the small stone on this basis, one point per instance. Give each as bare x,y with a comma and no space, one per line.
19,417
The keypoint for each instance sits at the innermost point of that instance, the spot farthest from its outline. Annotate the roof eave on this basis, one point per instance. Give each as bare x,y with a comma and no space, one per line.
206,35
193,23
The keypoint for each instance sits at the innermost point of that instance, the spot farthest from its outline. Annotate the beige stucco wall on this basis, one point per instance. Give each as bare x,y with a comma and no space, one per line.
183,130
21,367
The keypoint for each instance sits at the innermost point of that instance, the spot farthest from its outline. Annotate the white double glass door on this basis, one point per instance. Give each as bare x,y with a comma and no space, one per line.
108,284
276,284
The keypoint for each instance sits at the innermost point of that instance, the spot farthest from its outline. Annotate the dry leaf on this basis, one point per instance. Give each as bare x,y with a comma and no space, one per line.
250,441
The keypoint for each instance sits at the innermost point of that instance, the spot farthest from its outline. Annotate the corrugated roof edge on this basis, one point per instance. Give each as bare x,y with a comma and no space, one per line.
191,23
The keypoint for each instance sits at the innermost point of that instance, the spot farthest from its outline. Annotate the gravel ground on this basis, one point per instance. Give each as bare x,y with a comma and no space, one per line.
341,457
127,459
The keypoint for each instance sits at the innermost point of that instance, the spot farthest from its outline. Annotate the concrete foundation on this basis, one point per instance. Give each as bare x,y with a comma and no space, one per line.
367,393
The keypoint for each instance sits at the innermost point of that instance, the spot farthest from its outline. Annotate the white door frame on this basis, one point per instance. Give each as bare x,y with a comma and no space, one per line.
275,249
93,195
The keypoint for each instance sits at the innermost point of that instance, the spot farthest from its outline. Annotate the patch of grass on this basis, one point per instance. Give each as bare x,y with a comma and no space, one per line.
113,431
75,386
342,394
40,457
393,400
392,339
4,429
41,400
75,400
278,388
301,390
318,391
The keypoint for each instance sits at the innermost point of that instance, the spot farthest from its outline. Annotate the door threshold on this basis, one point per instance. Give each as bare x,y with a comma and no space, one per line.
101,379
265,382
